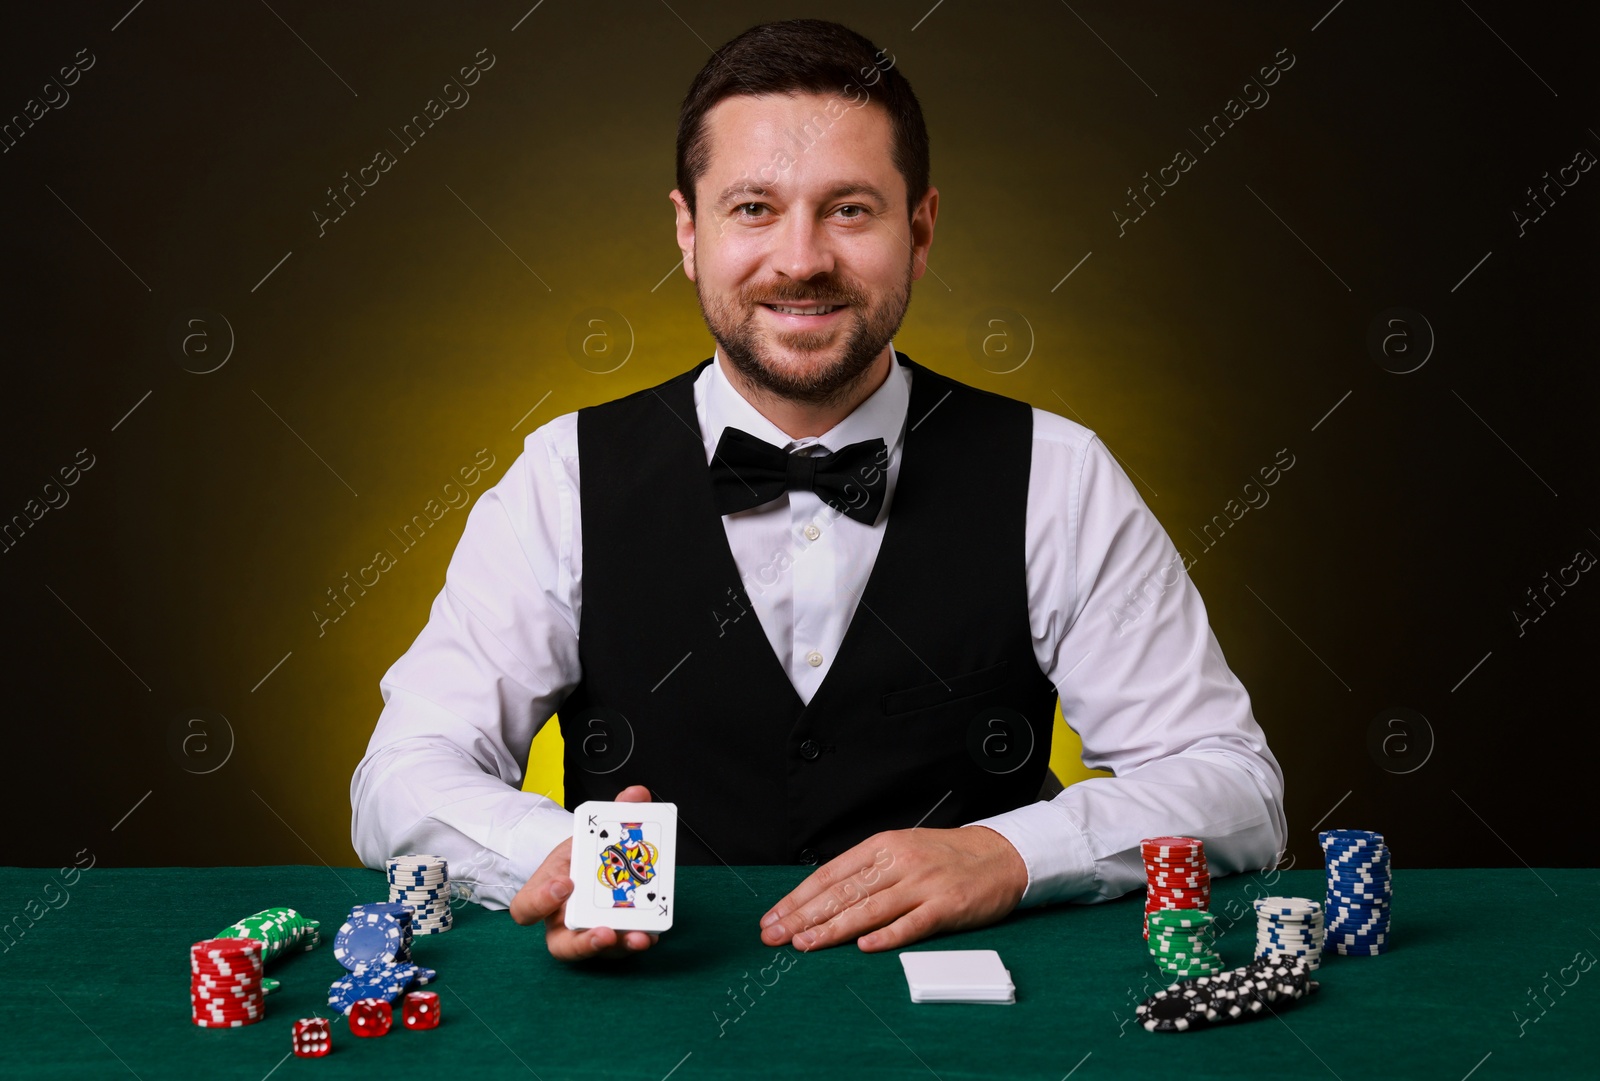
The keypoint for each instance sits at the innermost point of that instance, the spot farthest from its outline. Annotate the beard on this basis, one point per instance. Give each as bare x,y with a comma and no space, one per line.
816,380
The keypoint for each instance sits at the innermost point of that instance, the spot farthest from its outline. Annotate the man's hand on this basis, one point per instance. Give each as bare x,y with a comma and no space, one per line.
544,897
901,886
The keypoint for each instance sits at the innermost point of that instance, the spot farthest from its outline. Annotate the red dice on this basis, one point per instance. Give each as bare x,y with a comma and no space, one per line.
421,1010
313,1037
371,1017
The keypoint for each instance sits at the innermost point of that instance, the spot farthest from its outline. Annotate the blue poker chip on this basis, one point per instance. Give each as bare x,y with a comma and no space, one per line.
367,937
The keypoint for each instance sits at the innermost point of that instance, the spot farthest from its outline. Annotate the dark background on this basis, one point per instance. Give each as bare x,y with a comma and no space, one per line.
182,581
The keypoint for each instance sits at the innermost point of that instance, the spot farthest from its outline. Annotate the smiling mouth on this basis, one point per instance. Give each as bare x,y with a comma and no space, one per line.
804,309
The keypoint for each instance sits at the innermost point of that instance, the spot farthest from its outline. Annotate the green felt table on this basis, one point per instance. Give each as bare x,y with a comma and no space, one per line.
98,989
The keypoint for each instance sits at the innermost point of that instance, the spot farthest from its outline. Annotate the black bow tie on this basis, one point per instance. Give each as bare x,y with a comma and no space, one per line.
747,472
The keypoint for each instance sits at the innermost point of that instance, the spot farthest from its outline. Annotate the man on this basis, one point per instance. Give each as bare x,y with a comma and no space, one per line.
827,596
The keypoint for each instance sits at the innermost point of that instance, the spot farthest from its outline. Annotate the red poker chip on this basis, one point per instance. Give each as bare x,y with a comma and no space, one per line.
206,995
207,1015
227,973
239,1023
227,947
205,990
224,981
207,1009
225,1015
221,998
1164,845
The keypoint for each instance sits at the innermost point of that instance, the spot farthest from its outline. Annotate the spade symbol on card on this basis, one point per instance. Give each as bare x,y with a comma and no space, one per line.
651,895
605,833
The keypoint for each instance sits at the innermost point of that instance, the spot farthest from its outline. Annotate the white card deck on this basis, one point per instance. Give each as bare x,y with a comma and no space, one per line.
958,976
624,863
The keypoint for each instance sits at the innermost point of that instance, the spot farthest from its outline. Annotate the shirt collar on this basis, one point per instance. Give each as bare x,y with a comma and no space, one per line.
881,416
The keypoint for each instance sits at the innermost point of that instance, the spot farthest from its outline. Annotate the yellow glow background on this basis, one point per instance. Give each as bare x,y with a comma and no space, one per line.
193,565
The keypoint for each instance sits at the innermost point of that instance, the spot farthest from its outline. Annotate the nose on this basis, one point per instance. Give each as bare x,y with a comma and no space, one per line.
802,248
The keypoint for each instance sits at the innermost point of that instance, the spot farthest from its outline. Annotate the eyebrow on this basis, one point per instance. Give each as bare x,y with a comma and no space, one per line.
736,191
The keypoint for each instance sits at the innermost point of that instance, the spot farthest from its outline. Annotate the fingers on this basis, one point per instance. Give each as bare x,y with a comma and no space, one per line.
826,877
546,888
634,793
569,945
846,881
912,926
542,897
849,923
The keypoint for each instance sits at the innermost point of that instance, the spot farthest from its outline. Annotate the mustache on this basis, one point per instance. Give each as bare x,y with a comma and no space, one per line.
783,296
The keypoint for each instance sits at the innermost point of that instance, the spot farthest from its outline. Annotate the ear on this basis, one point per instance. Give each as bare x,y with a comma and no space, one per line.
922,231
684,227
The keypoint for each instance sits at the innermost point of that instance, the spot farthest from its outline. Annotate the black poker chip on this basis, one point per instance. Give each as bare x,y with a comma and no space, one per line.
1233,995
1165,1011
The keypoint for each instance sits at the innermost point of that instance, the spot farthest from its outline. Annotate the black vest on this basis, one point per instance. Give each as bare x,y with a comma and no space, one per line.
934,711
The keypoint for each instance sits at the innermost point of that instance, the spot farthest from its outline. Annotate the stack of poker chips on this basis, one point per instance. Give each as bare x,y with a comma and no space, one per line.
280,931
1289,927
386,982
1264,985
1359,890
1181,942
225,982
1175,868
422,882
373,946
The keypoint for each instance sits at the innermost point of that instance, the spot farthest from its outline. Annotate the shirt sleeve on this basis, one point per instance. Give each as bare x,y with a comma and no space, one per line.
443,771
1120,629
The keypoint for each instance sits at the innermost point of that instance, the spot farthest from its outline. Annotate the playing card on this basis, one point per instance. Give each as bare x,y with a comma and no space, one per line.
624,859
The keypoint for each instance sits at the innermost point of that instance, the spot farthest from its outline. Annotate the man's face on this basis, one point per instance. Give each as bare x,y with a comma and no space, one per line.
802,208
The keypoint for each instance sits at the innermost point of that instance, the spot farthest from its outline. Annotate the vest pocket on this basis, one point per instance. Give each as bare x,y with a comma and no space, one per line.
940,692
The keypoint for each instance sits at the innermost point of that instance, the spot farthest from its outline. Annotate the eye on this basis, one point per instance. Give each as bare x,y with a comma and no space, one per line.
854,206
742,207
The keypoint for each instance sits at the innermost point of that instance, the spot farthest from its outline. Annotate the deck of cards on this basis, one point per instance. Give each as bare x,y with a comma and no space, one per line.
958,976
624,856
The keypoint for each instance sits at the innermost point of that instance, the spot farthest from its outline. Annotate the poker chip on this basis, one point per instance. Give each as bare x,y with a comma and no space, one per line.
1289,927
1181,941
381,981
1176,875
280,931
1233,995
422,883
367,937
1168,1012
1359,891
225,982
403,915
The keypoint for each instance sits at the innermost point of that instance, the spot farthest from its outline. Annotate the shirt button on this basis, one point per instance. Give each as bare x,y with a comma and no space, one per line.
463,889
812,532
813,658
808,856
809,750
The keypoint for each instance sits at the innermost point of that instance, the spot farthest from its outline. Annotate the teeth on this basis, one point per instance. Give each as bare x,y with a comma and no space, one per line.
820,309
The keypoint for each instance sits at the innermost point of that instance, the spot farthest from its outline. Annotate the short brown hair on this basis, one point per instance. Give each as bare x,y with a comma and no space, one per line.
802,56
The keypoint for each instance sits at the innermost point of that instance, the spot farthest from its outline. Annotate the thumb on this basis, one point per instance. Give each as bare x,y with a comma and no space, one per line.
634,793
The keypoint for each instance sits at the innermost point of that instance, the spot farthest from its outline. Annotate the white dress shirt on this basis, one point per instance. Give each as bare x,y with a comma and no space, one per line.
1117,626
